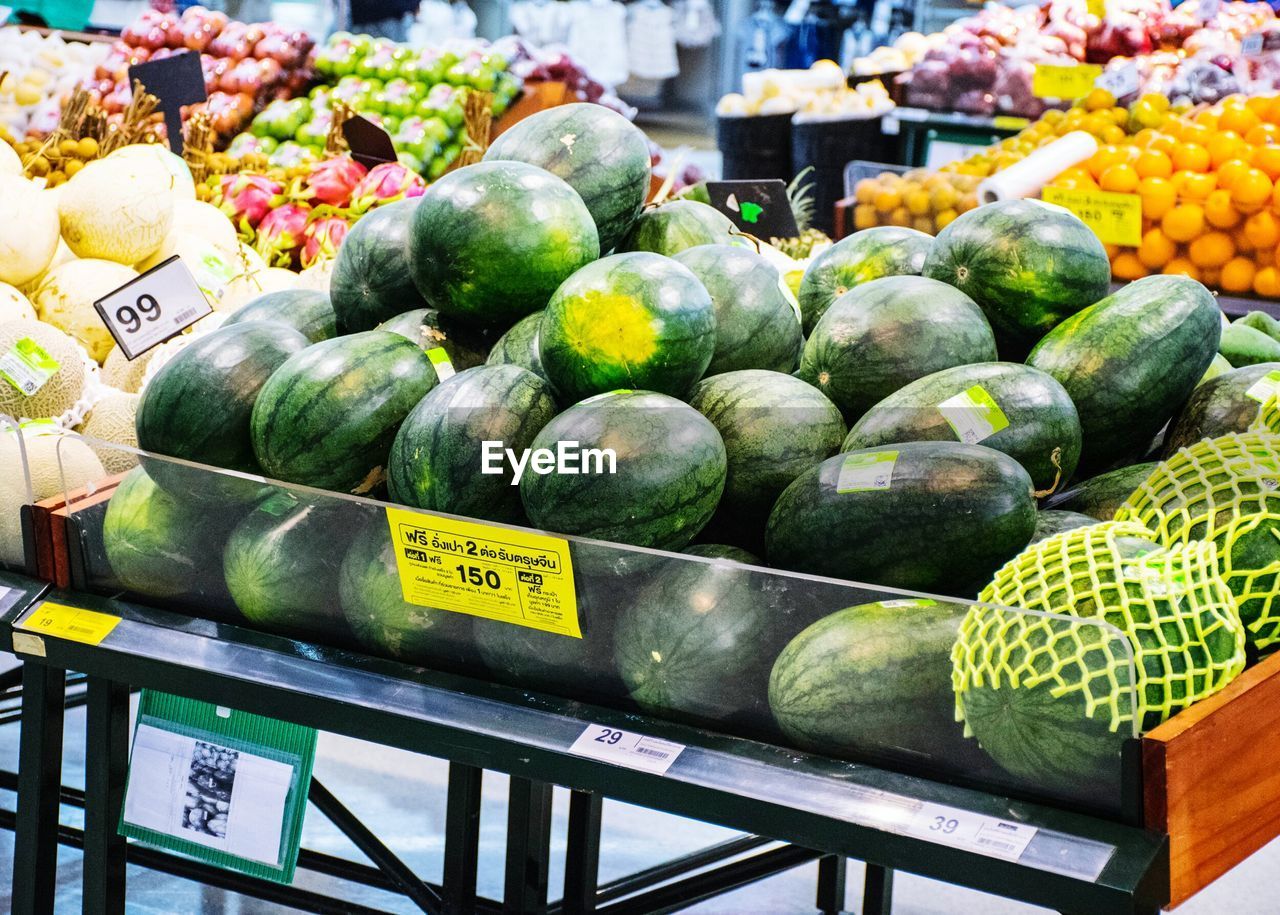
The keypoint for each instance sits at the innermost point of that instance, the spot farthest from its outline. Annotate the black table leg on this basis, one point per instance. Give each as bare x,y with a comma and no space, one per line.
461,839
832,873
106,769
528,847
35,853
877,892
582,854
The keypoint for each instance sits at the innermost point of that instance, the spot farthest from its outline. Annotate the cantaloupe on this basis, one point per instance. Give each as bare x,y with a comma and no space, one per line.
60,391
112,420
66,295
28,231
14,306
118,372
182,184
79,467
119,208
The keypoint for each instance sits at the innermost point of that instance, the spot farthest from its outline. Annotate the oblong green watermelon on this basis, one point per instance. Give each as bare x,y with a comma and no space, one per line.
308,311
438,459
491,242
722,551
1218,406
924,516
670,468
883,335
598,153
519,346
1244,345
637,321
862,257
1219,366
327,416
1052,521
1028,265
554,663
1100,497
429,329
1130,360
774,428
371,280
1036,423
756,324
676,225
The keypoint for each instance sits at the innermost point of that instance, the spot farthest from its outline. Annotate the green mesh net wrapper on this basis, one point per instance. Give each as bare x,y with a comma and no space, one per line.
1226,490
1268,416
1051,699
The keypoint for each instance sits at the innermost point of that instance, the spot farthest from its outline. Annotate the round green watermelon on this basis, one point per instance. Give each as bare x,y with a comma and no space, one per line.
1054,521
327,417
722,551
862,257
756,324
554,663
634,320
881,336
669,465
372,281
430,329
1100,497
519,346
1028,265
308,311
491,242
598,152
438,461
1218,406
774,428
676,225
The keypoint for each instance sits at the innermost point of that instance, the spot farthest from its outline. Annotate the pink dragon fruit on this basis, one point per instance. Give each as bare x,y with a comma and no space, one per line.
322,236
280,234
246,199
331,181
386,183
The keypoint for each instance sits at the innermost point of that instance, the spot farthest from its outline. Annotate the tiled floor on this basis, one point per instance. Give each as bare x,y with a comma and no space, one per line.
402,797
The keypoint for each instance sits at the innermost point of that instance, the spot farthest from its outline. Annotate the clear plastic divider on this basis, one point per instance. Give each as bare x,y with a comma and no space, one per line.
15,492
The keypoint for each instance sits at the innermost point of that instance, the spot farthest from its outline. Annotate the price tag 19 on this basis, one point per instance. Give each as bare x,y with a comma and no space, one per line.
986,835
1115,218
626,748
150,309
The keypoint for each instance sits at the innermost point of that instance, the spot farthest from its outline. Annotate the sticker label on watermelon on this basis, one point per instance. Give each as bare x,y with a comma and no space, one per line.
500,574
867,472
964,829
973,415
1265,388
27,366
440,359
71,623
626,748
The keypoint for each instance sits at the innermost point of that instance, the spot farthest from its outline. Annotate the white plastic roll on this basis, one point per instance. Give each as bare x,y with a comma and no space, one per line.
1026,178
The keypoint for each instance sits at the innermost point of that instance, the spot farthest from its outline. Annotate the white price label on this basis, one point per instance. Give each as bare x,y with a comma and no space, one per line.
889,125
150,309
1251,44
626,748
1120,81
1208,9
964,829
1265,388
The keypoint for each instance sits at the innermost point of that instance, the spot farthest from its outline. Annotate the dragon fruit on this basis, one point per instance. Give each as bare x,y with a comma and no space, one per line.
280,234
321,237
386,183
247,199
332,180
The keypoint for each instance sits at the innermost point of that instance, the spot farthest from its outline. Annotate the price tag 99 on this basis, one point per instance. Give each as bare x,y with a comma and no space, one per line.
147,310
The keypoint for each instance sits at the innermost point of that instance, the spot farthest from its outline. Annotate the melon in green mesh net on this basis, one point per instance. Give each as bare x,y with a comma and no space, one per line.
1051,698
1226,490
1268,415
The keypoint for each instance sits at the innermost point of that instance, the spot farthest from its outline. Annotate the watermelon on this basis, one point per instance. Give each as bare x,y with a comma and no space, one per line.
1243,345
429,329
1054,521
756,326
1219,366
281,566
598,153
774,428
676,225
627,321
670,471
862,257
327,416
1130,360
519,346
1101,496
198,405
1041,430
1219,406
383,621
883,335
438,458
925,516
1028,265
722,551
491,242
371,279
307,311
874,681
1260,320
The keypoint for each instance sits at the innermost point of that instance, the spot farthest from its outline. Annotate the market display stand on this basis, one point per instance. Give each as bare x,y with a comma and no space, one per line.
819,807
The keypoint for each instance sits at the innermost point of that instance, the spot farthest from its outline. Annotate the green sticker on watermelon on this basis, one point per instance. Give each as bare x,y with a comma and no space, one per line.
867,472
1265,387
27,367
440,359
973,415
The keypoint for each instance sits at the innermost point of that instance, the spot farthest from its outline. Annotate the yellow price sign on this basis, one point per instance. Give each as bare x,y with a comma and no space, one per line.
1008,122
1115,218
1069,81
72,623
513,576
1096,8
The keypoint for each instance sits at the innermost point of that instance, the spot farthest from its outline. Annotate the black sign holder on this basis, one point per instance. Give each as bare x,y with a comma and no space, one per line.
176,81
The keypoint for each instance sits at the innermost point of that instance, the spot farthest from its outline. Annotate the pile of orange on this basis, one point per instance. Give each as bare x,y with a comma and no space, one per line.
920,199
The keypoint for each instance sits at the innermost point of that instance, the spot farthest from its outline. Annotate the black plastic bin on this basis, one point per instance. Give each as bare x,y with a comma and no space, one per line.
756,146
828,146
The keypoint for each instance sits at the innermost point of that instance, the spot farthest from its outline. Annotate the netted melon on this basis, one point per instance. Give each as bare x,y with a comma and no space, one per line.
46,370
112,420
118,372
55,463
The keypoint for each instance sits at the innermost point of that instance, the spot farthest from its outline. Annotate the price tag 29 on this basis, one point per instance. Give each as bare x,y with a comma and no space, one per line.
990,836
152,308
626,748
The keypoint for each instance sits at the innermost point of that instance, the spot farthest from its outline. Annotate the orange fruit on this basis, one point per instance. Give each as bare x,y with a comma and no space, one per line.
1126,266
887,200
1158,197
923,224
1105,157
1098,99
865,216
1225,146
1219,211
1213,249
1241,240
1121,179
1230,170
1153,164
1262,229
865,190
1156,249
1207,119
1238,119
1194,186
1251,190
1237,275
916,201
1182,267
945,218
1264,258
1262,134
1196,133
900,217
1211,276
1191,157
1267,159
1266,282
1184,222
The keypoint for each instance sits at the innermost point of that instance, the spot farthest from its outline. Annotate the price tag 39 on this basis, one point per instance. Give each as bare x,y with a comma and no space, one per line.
626,748
150,309
990,836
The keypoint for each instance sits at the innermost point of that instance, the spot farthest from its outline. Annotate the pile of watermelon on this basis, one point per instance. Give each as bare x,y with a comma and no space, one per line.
919,416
